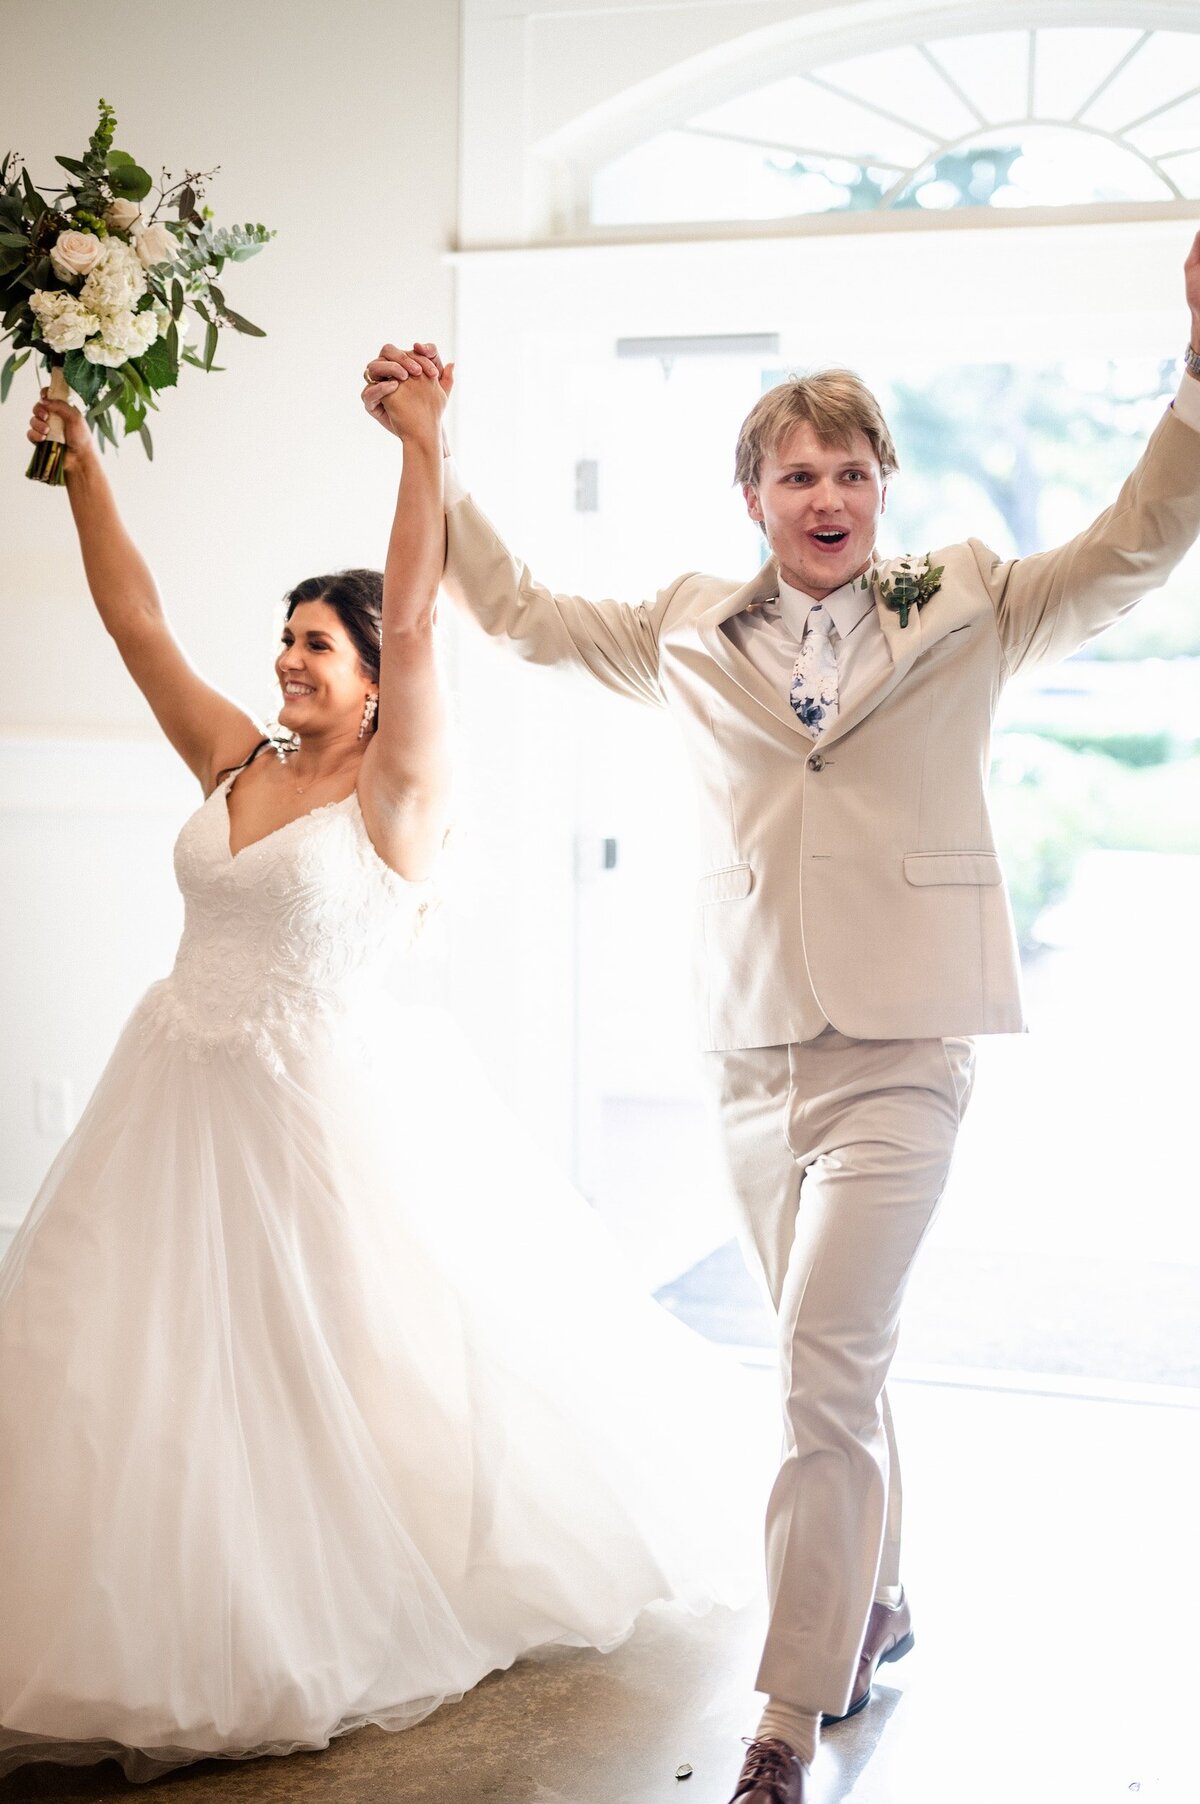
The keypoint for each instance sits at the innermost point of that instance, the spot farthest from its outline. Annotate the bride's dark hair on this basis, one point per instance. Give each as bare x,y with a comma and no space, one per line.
356,597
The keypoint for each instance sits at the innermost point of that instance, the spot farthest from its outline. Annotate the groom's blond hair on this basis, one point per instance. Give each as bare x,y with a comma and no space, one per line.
835,403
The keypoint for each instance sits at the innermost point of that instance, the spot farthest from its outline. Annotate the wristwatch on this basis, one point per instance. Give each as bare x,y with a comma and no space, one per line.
1191,362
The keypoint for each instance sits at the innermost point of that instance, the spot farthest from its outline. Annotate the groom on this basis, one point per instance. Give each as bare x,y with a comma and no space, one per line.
852,918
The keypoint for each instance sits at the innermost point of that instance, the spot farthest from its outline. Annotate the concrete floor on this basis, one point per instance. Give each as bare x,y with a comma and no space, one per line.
1052,1569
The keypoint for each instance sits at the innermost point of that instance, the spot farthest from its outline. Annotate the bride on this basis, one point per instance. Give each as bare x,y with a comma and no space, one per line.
321,1396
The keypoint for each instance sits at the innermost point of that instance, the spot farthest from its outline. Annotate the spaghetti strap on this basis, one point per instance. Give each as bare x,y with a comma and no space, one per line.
235,770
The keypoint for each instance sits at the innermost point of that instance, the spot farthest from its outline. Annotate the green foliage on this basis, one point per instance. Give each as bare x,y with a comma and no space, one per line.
87,379
100,142
125,179
11,366
159,366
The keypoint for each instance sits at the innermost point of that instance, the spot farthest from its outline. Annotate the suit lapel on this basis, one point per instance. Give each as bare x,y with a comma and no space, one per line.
904,646
722,649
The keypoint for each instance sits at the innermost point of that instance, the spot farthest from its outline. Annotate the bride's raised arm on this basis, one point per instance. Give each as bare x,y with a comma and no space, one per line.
210,732
404,782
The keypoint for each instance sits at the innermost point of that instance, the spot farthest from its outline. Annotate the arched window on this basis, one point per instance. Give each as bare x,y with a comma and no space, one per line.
1045,117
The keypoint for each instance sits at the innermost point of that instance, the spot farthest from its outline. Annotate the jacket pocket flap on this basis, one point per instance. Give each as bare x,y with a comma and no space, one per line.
729,884
952,867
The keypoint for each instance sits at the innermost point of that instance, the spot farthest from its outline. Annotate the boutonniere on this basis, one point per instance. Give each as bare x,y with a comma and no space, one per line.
905,582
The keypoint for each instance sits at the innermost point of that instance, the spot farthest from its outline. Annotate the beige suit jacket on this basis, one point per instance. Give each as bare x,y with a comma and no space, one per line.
855,883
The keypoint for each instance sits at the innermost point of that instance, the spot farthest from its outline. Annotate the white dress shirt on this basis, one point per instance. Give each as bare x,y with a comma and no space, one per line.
769,634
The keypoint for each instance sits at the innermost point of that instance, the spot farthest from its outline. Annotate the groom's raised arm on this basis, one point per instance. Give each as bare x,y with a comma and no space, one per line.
613,641
610,640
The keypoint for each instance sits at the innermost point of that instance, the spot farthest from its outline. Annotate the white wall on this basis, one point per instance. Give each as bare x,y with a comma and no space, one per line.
261,476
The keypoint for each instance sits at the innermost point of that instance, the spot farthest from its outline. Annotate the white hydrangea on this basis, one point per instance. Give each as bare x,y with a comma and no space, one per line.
117,283
65,322
123,335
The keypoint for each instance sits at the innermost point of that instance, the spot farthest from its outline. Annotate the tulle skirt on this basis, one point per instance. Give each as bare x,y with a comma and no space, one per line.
322,1396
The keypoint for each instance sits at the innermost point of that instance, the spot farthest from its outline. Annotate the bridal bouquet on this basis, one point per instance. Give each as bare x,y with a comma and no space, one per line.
97,279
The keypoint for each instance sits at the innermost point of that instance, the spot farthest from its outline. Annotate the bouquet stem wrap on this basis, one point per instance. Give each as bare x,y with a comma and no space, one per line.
49,460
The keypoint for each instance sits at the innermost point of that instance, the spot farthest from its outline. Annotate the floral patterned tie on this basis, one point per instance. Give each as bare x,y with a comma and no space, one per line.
814,692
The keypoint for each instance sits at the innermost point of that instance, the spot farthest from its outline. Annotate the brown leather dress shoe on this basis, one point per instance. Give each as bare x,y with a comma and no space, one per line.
889,1637
771,1774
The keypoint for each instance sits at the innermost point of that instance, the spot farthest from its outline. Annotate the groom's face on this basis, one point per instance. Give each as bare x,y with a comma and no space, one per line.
819,506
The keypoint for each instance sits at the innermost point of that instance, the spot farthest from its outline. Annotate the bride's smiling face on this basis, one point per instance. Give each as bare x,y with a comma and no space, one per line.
321,679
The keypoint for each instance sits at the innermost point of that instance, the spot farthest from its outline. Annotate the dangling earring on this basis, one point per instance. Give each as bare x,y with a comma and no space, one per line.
369,707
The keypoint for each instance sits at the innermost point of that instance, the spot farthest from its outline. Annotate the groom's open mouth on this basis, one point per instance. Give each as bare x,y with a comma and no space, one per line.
829,538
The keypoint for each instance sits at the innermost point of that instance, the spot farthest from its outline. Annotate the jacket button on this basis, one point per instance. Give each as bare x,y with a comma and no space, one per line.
816,762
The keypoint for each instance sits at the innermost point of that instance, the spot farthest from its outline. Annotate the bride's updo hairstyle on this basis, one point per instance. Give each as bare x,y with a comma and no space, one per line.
356,597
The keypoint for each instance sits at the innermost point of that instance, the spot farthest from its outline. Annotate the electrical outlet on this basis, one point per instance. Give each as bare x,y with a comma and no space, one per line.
53,1106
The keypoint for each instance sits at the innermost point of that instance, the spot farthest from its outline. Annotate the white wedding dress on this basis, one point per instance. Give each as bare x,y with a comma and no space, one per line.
321,1395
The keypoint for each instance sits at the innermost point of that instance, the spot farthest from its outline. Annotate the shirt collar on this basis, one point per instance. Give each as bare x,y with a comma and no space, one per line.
848,606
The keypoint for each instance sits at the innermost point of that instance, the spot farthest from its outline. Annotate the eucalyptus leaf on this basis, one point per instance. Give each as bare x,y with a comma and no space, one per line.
147,441
128,182
101,139
13,364
98,408
72,165
176,299
14,241
135,379
115,158
240,324
33,198
132,412
210,345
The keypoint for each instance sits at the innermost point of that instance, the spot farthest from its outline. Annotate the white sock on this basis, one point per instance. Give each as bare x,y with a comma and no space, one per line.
890,1595
800,1729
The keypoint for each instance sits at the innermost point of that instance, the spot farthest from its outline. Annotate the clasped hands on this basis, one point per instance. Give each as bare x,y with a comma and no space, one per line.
407,391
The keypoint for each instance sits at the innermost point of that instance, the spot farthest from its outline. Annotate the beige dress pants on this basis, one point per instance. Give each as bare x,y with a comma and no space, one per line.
839,1151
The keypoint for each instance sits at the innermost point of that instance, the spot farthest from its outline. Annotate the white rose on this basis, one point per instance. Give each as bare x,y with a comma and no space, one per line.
122,216
162,317
75,254
117,283
65,323
155,245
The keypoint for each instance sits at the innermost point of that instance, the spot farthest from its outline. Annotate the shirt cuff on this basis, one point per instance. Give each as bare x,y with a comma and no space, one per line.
1187,402
455,489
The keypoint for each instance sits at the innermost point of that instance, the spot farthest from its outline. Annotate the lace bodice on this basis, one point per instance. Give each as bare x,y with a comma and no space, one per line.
283,934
